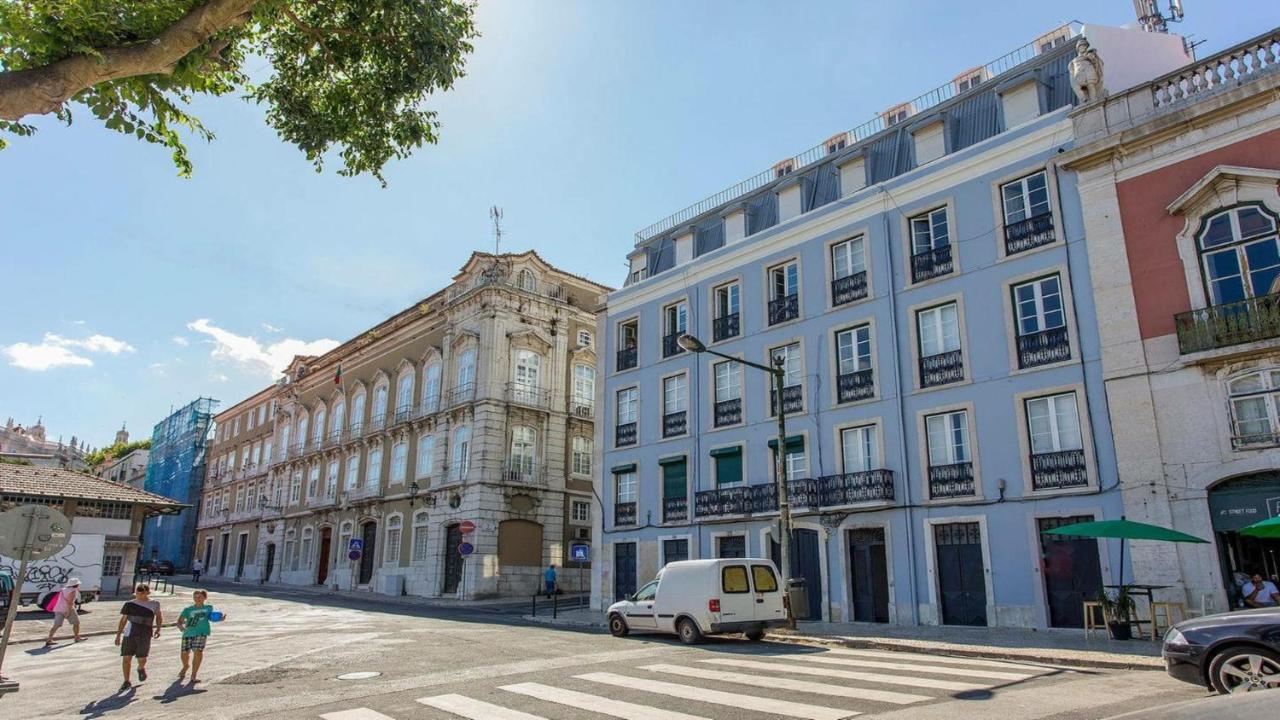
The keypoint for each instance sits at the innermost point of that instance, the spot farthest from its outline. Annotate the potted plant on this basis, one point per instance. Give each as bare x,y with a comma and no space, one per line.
1118,609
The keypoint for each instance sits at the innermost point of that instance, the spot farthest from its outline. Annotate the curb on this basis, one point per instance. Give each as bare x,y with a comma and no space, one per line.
561,622
1035,655
94,633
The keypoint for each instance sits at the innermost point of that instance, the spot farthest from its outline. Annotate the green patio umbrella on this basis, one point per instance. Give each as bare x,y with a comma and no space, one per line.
1264,528
1125,530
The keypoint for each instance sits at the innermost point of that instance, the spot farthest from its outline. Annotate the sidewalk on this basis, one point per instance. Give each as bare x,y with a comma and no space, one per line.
402,600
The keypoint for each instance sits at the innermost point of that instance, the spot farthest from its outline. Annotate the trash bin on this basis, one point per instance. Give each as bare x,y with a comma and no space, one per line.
798,598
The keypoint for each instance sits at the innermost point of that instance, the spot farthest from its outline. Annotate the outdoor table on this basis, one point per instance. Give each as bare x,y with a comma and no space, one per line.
1146,591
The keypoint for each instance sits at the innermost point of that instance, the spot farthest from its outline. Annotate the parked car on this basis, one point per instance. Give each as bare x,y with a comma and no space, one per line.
1227,652
156,567
692,598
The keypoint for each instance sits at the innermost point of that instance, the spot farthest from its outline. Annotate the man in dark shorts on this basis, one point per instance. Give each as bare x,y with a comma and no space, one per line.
140,621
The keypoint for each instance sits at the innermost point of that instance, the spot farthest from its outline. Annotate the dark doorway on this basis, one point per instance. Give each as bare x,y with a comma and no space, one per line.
806,565
222,555
675,550
369,534
869,575
208,552
731,546
1233,505
961,576
326,540
452,560
1072,571
624,570
241,546
271,562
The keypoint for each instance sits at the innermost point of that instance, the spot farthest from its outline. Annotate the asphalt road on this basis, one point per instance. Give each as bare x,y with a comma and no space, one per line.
280,655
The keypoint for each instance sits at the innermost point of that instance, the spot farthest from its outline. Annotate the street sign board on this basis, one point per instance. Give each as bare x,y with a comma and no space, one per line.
466,527
465,549
580,552
356,544
353,555
19,538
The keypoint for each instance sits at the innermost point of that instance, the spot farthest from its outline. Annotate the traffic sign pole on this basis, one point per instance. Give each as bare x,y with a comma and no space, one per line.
24,557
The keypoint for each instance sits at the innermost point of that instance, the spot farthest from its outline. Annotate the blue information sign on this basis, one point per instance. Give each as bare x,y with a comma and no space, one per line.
355,544
580,552
465,549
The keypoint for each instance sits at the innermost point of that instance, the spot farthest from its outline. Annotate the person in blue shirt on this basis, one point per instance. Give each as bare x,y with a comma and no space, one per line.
550,577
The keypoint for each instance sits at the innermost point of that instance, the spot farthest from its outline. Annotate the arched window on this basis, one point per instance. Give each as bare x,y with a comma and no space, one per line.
373,475
291,550
399,457
318,424
419,554
295,488
357,412
331,480
528,364
467,370
404,393
520,461
391,551
584,384
306,547
379,404
525,281
460,457
344,536
1255,409
338,420
431,388
313,481
426,455
1240,254
301,430
286,429
353,472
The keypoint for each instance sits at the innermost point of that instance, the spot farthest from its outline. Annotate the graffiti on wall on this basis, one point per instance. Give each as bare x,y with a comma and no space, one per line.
54,572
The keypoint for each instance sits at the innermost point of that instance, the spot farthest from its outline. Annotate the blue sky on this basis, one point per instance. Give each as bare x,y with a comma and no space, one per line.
129,290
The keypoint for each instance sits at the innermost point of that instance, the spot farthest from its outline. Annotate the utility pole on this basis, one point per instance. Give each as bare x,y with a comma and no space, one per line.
784,501
495,214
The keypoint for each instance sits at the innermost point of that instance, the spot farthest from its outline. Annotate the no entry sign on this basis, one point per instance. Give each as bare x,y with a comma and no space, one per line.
466,527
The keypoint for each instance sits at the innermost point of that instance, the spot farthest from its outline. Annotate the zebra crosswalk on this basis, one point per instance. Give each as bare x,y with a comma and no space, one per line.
801,685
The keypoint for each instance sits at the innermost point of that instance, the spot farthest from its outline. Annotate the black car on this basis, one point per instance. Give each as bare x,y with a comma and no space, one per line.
1228,652
156,567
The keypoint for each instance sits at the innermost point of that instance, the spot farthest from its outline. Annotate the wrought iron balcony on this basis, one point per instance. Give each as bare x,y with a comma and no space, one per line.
364,492
849,288
355,431
377,423
324,500
625,434
462,394
855,487
1255,440
523,472
624,513
1058,470
736,500
784,308
626,358
530,396
728,412
931,264
792,400
296,449
333,438
670,344
941,369
951,481
725,327
675,509
1027,234
675,423
582,408
429,405
857,385
1044,347
403,414
1236,323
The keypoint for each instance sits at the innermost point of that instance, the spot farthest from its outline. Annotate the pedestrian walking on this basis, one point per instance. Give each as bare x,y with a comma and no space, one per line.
197,567
194,624
550,577
140,621
64,610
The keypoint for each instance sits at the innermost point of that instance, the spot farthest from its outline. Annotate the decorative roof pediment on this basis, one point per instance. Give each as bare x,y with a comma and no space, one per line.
584,352
529,338
1226,185
405,363
381,378
431,355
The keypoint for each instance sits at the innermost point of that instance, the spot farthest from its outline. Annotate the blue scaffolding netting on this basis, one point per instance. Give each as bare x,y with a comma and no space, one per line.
176,471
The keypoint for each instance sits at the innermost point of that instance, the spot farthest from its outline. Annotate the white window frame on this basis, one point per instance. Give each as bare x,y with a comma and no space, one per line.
373,468
392,535
420,552
1057,441
924,230
582,450
946,424
426,455
460,453
855,254
580,517
1023,195
399,461
628,482
936,330
865,438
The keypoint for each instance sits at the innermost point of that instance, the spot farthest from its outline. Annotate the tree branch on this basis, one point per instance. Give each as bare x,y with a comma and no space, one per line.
42,90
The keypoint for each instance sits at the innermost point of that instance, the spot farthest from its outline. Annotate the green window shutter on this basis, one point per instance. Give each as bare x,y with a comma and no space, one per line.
728,469
620,469
795,444
674,477
721,452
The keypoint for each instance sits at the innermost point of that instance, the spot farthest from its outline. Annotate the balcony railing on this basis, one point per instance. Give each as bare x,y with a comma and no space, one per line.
355,431
324,500
941,369
792,400
625,434
295,450
828,491
377,423
725,327
430,405
1229,68
736,500
521,472
366,491
675,423
784,308
530,396
403,414
675,509
333,438
670,344
931,264
1027,234
951,481
1058,470
855,487
461,395
584,409
849,288
626,358
728,412
1044,347
1235,323
857,385
624,513
1255,440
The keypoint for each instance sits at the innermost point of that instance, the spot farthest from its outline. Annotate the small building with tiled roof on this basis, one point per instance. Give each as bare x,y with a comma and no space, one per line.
97,507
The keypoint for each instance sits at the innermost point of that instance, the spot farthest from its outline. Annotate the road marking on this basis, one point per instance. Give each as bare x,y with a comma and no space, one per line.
850,675
717,697
595,703
357,714
806,686
466,707
940,659
907,667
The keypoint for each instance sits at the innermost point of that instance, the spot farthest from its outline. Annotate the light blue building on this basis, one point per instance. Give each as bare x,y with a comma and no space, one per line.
923,280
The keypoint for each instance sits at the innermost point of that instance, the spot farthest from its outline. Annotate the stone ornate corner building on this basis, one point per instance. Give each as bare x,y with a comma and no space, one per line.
477,403
1179,179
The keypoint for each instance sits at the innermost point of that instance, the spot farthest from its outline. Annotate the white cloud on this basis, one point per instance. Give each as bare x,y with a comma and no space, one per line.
180,340
270,328
58,351
245,350
219,377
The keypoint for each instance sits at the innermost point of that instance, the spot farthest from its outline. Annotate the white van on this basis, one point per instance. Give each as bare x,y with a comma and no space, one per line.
692,598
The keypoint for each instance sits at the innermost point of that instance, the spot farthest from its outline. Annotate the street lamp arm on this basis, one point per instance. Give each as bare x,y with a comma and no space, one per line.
748,363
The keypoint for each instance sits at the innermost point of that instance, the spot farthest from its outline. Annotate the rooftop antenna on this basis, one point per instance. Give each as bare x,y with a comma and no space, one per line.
495,214
1150,17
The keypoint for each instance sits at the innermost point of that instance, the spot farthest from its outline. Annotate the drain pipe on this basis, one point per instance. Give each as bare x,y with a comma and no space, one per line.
902,423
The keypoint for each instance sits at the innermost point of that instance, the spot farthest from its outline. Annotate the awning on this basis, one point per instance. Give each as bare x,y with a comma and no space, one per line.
726,451
673,460
619,469
795,443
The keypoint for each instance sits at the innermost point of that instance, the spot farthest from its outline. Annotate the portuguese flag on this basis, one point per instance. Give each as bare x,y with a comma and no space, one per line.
337,375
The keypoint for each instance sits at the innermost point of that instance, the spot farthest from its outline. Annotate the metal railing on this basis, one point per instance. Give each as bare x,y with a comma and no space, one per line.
675,509
1255,440
725,327
856,136
1229,68
792,399
1044,347
366,491
624,513
554,291
403,414
530,396
849,288
736,500
1235,323
1058,470
461,395
857,385
856,487
626,358
517,472
323,500
675,423
941,369
671,345
951,481
581,408
377,423
784,308
728,412
1027,234
625,434
931,264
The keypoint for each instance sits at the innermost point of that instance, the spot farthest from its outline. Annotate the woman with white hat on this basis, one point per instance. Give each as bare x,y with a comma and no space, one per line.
64,609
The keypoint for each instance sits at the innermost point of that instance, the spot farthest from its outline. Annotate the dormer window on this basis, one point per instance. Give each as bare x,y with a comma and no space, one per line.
836,143
784,168
1049,41
969,79
897,114
525,281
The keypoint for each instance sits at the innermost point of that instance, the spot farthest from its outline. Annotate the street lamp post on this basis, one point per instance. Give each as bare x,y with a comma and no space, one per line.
694,345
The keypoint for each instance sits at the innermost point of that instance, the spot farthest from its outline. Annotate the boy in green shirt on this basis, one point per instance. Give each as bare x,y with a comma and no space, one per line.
194,624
